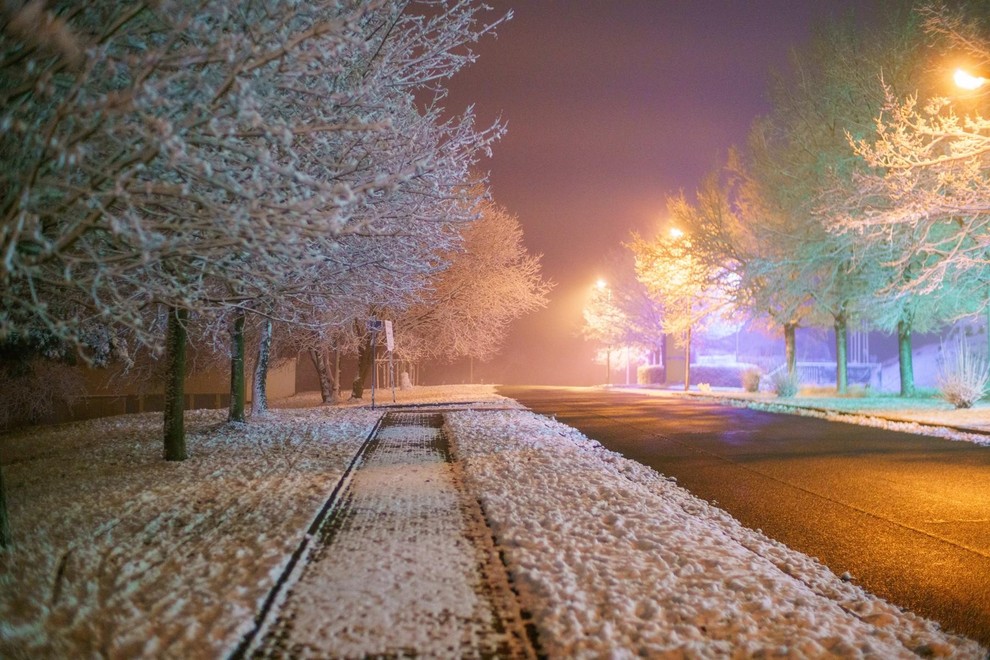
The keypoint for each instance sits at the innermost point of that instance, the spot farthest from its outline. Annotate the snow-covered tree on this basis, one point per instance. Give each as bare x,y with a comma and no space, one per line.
621,311
680,281
759,246
921,207
182,154
603,320
802,172
482,283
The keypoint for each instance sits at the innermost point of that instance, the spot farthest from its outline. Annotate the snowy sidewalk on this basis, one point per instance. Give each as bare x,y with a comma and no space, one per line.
404,565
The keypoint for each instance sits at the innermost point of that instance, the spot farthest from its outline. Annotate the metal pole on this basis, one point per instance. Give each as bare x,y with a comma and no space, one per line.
391,374
374,365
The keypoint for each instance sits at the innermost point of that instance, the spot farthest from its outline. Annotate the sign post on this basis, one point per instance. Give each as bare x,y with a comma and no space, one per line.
374,325
390,345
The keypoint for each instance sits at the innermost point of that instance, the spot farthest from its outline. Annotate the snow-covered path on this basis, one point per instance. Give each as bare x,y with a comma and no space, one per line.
401,567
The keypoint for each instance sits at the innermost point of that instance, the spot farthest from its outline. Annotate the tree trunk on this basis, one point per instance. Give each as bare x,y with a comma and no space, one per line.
687,361
175,392
329,390
841,354
905,358
5,538
259,399
790,344
336,375
364,365
237,389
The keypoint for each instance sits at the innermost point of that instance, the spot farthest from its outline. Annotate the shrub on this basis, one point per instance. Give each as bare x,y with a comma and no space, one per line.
751,379
651,374
962,376
785,385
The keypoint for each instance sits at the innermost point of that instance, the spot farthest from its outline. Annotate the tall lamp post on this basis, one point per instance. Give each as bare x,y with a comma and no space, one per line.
603,286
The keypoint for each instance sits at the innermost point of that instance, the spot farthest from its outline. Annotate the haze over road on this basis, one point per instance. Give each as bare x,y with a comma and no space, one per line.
908,516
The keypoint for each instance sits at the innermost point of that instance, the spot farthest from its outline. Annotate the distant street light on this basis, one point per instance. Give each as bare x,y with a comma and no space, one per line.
965,80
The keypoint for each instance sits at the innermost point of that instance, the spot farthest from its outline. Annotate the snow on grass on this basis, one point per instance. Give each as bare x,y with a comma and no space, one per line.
119,553
612,559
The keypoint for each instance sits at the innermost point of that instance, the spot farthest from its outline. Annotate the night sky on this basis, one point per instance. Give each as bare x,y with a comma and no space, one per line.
611,107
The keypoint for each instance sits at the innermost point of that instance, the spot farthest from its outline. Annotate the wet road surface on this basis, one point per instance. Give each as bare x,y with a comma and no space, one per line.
907,516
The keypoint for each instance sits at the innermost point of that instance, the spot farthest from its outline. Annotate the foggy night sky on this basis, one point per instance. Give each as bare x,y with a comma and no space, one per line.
611,107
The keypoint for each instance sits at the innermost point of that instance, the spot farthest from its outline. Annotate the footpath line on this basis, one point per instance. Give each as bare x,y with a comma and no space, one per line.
304,546
403,565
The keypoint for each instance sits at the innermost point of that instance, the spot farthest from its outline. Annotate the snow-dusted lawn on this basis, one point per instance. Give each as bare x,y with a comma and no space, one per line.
615,560
120,554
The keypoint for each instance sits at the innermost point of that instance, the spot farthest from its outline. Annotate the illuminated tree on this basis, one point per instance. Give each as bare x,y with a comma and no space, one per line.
482,283
603,322
624,313
678,280
803,172
769,282
923,204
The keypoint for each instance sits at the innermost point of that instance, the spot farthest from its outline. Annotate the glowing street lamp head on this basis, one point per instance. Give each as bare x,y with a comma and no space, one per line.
966,80
601,284
676,233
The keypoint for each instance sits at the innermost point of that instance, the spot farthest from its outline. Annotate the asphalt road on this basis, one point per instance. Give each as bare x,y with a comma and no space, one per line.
907,515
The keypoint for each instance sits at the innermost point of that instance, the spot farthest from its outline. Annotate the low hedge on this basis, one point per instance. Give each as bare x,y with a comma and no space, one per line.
651,374
719,375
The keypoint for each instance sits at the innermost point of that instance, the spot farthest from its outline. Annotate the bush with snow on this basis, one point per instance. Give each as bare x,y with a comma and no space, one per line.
962,376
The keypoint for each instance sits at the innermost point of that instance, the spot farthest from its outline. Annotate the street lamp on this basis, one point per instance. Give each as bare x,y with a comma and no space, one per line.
966,80
603,286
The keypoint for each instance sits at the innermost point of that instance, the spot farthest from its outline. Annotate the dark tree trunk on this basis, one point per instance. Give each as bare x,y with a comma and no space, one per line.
790,348
329,387
259,399
841,354
335,375
237,389
905,358
5,539
175,392
365,357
